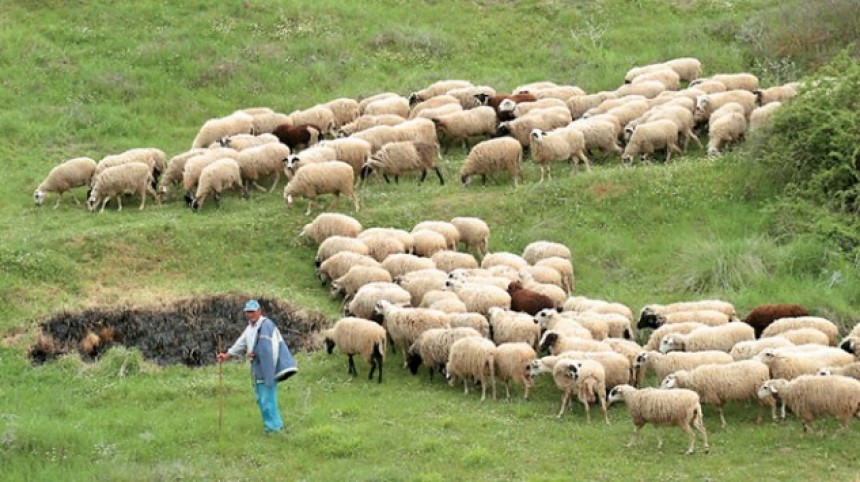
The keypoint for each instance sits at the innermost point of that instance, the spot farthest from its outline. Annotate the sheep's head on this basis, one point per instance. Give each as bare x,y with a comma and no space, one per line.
413,359
702,103
38,197
618,393
647,319
640,360
503,129
534,369
414,98
92,201
825,372
482,98
195,205
336,289
671,343
224,141
329,344
758,96
507,105
514,286
189,198
849,345
537,135
671,381
464,180
713,152
381,307
543,315
766,356
549,339
627,159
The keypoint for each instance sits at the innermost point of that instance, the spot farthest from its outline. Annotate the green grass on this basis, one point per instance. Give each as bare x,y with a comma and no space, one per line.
93,78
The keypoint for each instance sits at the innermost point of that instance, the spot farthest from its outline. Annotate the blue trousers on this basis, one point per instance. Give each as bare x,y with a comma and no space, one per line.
267,400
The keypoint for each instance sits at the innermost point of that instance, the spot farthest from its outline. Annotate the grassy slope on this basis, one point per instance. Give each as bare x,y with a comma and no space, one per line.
90,79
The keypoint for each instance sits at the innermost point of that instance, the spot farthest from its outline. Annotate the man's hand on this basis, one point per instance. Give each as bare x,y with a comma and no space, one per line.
222,357
251,355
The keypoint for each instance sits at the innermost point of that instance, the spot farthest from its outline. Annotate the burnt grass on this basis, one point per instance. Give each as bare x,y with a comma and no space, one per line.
189,331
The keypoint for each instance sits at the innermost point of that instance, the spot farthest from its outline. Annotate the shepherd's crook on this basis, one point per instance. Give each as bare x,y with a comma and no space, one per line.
220,389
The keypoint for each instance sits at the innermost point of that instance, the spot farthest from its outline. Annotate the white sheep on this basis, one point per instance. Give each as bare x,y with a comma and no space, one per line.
466,96
380,246
400,264
405,324
245,141
544,275
463,125
538,250
720,383
363,103
504,258
667,77
852,370
340,263
326,225
716,305
262,161
580,104
470,320
446,229
402,235
213,129
650,319
564,267
648,89
790,365
367,121
746,350
564,381
662,407
323,178
437,88
806,336
388,106
353,151
491,156
132,178
267,122
556,342
821,324
358,336
512,362
345,110
651,136
582,303
810,396
725,129
433,103
215,178
363,304
396,158
195,165
722,338
590,385
419,283
687,68
512,327
358,276
707,104
665,364
557,145
472,357
520,109
173,173
433,347
428,242
480,298
312,155
761,115
741,81
544,119
319,116
474,233
70,174
450,260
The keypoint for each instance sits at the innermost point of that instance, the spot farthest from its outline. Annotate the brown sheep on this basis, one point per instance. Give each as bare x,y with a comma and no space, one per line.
303,135
526,300
494,100
763,315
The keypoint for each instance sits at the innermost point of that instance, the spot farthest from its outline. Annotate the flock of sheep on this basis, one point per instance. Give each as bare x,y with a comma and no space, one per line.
487,317
330,148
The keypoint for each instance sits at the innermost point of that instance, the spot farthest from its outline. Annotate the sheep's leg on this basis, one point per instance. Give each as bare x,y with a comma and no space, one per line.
692,437
354,200
542,170
699,424
351,366
587,410
385,176
564,399
334,202
484,180
635,438
484,389
118,202
104,203
465,385
310,206
143,198
602,399
507,389
277,179
760,415
439,175
57,204
722,418
397,179
423,175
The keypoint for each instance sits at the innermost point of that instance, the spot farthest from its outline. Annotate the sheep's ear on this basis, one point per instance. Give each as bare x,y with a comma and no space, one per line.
773,389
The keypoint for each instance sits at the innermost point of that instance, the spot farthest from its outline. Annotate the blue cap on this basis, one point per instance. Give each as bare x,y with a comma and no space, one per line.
252,305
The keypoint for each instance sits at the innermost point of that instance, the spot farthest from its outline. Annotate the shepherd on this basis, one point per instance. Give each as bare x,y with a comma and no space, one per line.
271,362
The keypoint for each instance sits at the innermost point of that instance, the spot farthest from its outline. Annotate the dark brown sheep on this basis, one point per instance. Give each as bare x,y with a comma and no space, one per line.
494,100
302,135
526,300
763,315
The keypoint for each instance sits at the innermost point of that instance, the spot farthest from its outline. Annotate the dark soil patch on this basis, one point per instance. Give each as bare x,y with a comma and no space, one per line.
186,331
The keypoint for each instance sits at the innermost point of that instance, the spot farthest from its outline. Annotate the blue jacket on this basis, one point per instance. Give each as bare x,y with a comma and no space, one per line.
272,361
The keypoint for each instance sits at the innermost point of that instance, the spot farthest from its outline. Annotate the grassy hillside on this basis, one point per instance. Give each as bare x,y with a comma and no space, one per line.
93,78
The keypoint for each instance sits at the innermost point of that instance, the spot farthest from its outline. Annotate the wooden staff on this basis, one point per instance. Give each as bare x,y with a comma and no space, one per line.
220,389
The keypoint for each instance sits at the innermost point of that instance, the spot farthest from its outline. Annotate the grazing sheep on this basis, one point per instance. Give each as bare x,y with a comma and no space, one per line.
440,111
544,119
433,103
725,129
450,260
265,122
761,115
556,343
617,326
132,178
543,275
657,335
494,155
511,327
512,362
716,305
340,263
326,225
687,68
151,156
651,136
743,81
400,264
790,365
495,101
404,325
215,178
680,115
480,298
437,88
460,126
319,115
405,237
558,145
509,109
260,162
648,89
466,96
722,338
539,250
644,69
559,92
419,283
434,296
314,155
526,300
472,357
380,246
590,385
195,165
433,347
762,316
564,268
810,396
336,244
851,370
298,137
345,110
707,104
615,365
780,93
446,229
806,336
785,324
580,104
581,303
73,173
173,174
551,319
363,304
746,350
362,105
388,106
476,321
358,276
709,86
378,136
474,233
662,407
323,178
649,319
563,378
428,242
367,121
213,129
664,364
358,336
667,77
244,141
720,383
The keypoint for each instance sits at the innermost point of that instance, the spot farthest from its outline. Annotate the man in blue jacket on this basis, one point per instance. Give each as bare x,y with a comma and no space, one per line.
271,361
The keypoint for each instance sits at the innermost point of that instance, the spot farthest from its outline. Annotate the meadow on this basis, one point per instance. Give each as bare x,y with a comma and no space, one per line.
93,78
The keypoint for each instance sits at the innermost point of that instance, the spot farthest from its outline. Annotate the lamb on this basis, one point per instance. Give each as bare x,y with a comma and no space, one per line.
400,264
324,178
648,137
512,362
174,171
526,300
450,260
717,384
810,396
762,316
487,157
722,337
336,244
298,137
433,347
784,324
780,93
460,126
590,384
476,321
73,173
790,365
326,225
132,178
215,178
437,88
480,298
345,110
544,119
472,357
662,407
725,129
558,145
388,106
512,327
358,276
319,115
746,350
649,319
262,161
474,233
213,129
761,115
665,364
404,325
358,336
367,121
564,268
340,263
380,246
419,283
852,370
363,304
